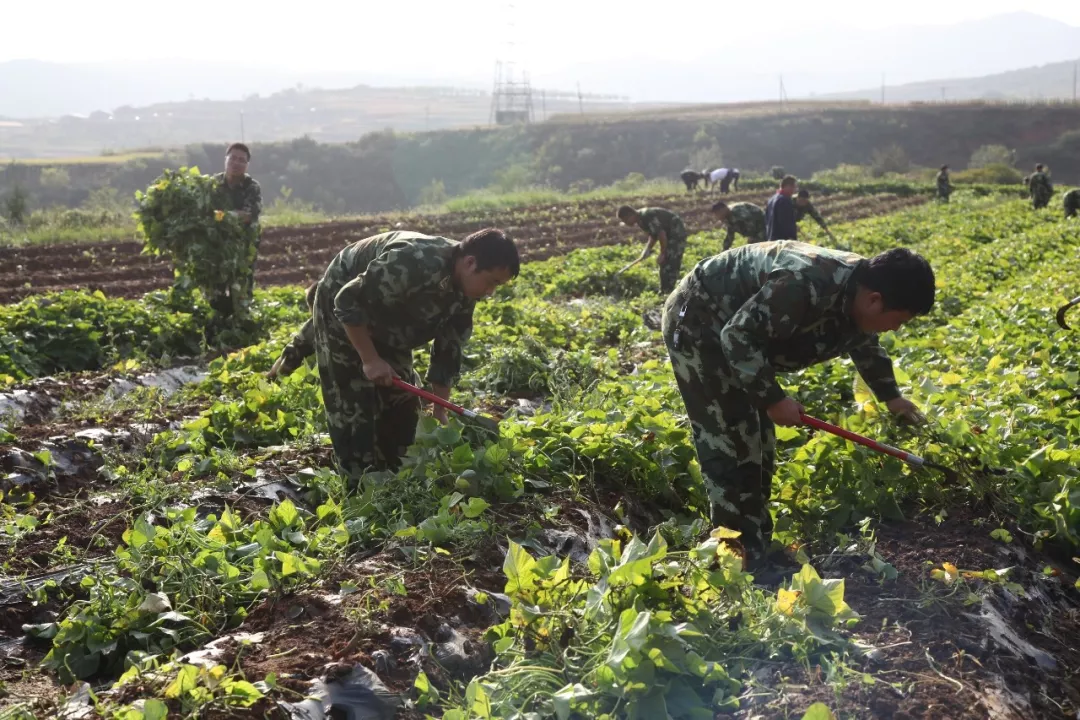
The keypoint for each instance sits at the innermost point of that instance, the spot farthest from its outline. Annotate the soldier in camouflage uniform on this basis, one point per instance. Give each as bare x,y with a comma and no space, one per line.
1072,203
1040,187
239,193
302,346
746,219
740,317
944,187
379,299
665,227
804,207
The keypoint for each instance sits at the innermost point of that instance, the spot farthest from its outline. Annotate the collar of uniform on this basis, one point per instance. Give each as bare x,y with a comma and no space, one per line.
446,279
851,287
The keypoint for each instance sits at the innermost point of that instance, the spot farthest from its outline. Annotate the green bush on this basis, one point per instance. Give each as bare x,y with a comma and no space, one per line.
996,174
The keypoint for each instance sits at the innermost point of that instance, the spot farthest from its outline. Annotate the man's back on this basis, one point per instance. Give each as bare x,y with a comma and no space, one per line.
780,218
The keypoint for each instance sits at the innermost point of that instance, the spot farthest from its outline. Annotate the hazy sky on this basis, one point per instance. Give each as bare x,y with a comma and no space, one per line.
418,35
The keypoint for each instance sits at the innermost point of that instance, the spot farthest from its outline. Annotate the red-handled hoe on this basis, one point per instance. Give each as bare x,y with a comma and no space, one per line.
875,445
483,420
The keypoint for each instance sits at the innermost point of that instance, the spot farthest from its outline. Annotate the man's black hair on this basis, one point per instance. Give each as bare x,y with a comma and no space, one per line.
625,210
719,206
788,180
492,249
944,168
1039,167
804,193
904,279
239,146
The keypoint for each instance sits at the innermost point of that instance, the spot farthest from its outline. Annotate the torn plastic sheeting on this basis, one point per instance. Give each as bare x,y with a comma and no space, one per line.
360,695
212,652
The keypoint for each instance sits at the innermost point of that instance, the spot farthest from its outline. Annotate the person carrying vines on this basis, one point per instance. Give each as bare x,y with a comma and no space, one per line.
1040,187
746,219
664,227
378,300
692,177
239,194
780,212
739,318
944,187
804,207
1071,201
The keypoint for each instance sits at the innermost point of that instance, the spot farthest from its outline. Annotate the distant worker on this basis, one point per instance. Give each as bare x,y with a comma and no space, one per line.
780,212
239,194
944,187
725,177
666,228
1072,203
744,218
804,207
692,178
1040,187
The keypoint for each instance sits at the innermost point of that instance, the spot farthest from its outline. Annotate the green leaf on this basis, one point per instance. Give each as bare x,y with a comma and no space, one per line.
564,698
186,680
284,514
818,711
518,568
154,709
476,507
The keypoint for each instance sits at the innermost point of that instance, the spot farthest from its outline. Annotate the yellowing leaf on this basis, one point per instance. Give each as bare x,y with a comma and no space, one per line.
785,600
951,378
995,362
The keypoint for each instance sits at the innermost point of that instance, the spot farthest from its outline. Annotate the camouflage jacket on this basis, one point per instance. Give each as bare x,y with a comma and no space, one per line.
748,220
801,212
247,196
1040,184
944,187
401,285
654,220
784,306
1071,200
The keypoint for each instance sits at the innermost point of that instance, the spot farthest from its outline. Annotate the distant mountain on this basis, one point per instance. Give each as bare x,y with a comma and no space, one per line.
835,60
1056,81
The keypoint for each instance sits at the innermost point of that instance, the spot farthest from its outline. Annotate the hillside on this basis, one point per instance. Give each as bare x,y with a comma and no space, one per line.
1054,81
386,170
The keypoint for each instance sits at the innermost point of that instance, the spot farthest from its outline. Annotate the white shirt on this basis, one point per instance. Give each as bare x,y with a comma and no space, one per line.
717,175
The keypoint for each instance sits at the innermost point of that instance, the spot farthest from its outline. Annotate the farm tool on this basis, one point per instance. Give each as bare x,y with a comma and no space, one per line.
482,420
875,445
1064,309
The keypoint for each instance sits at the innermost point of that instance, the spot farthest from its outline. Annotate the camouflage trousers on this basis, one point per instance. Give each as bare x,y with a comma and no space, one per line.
735,441
236,299
672,265
1040,199
370,427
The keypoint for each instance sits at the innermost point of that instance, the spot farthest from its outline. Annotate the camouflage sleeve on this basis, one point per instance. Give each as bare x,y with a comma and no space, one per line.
448,348
813,212
730,236
388,280
876,368
253,201
773,313
299,348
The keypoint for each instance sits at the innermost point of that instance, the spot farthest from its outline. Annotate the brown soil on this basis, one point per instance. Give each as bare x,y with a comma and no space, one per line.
299,255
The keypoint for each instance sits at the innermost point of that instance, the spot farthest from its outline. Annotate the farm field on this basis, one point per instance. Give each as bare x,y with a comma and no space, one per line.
290,255
177,545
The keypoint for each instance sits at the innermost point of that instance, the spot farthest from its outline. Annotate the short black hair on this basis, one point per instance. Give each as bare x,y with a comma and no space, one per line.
788,180
239,146
904,279
944,168
492,249
624,211
804,193
719,206
1039,167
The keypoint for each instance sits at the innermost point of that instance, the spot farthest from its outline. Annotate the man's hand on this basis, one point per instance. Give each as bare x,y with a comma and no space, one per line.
906,410
439,413
787,412
661,257
379,372
244,215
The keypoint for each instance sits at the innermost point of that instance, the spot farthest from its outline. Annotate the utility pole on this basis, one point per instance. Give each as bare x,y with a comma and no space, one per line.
543,104
882,88
580,100
783,95
942,93
241,126
1074,82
